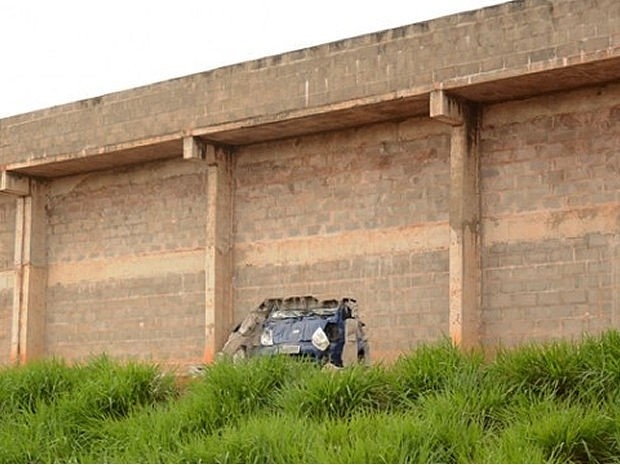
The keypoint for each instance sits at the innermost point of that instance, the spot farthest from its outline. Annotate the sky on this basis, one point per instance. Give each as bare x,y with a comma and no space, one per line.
58,51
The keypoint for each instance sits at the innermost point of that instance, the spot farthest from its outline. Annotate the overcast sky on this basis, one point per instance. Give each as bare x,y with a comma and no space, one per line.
58,51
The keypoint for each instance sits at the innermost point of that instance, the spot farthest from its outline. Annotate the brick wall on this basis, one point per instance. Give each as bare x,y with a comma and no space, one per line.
126,263
359,213
7,246
551,216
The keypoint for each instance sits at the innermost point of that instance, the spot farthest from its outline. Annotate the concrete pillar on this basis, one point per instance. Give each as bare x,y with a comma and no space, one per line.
18,287
30,281
218,242
465,275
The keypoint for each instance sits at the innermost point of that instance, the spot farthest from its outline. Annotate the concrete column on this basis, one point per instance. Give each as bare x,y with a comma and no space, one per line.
218,242
18,287
465,275
30,281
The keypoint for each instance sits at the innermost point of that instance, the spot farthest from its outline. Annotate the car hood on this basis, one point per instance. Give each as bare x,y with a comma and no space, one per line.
294,329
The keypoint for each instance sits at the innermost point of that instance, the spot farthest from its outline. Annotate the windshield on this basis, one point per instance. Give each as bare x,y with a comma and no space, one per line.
282,313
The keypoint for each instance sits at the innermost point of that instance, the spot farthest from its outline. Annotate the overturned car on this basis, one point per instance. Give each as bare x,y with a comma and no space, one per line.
328,331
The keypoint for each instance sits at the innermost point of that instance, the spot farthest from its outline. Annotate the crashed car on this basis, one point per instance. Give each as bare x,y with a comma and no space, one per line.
328,331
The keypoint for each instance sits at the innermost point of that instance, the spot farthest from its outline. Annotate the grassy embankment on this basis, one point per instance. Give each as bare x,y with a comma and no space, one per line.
554,403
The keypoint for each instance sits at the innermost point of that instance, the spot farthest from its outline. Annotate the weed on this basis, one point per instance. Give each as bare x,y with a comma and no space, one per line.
558,402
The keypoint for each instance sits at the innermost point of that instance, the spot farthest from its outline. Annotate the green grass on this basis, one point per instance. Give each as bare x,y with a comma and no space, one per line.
553,403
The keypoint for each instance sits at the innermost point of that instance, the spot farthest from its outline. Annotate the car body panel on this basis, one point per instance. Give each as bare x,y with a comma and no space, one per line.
302,326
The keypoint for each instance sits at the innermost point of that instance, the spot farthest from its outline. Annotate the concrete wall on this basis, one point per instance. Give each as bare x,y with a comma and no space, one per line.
551,216
359,213
126,263
513,39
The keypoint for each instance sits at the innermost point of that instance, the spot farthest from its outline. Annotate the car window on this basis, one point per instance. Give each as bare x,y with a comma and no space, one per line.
283,313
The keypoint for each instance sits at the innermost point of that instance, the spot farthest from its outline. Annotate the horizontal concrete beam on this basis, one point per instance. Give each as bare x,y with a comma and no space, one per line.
14,184
167,146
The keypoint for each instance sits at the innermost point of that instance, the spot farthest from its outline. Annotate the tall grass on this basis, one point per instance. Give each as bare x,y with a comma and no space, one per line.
589,368
553,403
338,394
38,383
432,369
54,412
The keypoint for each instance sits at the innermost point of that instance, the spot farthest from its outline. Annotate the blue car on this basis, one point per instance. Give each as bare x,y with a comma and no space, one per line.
327,331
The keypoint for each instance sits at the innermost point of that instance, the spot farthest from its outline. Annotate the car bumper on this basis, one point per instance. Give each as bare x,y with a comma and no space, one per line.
306,349
302,349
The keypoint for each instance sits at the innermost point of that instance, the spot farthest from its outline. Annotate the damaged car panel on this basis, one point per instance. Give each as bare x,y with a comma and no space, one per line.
328,331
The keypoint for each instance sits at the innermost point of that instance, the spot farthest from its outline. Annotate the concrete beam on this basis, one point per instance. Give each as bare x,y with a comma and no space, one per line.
193,148
218,252
14,184
465,274
446,108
